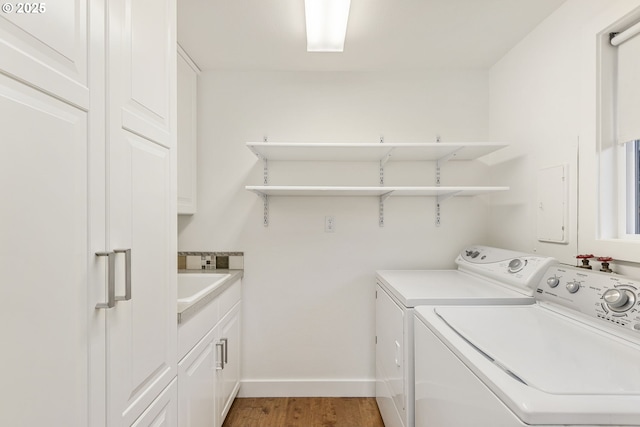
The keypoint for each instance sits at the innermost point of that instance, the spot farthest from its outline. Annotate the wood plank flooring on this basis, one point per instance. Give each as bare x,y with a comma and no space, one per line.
304,412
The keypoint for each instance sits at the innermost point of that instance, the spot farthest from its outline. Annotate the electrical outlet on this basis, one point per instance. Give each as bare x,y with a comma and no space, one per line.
329,224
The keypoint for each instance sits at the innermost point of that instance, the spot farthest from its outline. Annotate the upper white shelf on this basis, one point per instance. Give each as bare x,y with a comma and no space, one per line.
301,190
363,152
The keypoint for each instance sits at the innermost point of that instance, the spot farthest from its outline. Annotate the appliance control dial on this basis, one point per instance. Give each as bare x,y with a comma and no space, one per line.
619,299
573,287
615,298
553,281
516,265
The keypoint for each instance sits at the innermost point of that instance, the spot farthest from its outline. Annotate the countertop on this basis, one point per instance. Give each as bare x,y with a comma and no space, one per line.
191,310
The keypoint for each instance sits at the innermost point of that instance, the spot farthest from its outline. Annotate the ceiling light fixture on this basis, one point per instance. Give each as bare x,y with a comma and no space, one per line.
326,24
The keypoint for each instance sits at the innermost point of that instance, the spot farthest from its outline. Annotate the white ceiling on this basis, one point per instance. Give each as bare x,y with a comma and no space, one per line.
381,35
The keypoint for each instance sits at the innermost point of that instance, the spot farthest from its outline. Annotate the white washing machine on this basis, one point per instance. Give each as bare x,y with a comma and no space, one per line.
570,359
484,276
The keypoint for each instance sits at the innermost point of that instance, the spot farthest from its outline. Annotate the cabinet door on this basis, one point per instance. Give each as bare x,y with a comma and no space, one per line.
142,330
196,385
229,377
46,317
48,47
142,327
187,139
163,412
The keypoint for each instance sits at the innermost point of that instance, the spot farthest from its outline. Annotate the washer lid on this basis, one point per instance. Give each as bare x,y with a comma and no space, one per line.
446,287
546,367
549,351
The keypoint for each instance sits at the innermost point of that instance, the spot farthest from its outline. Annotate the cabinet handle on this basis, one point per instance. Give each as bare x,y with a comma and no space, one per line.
127,274
220,360
111,280
224,346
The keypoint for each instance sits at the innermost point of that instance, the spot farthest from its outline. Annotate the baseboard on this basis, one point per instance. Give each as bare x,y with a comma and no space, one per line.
307,388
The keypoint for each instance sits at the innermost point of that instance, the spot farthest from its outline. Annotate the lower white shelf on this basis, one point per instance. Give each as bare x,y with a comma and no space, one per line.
440,193
292,190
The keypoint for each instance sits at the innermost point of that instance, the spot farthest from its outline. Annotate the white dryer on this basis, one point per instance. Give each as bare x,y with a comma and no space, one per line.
484,276
570,359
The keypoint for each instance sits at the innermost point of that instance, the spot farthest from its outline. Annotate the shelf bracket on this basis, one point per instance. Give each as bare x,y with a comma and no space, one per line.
383,197
265,164
439,200
265,171
383,162
265,201
442,160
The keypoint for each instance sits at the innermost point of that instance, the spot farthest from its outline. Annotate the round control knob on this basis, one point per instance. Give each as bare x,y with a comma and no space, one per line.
516,265
573,287
615,298
553,282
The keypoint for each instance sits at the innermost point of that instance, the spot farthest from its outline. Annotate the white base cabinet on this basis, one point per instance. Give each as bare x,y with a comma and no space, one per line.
209,373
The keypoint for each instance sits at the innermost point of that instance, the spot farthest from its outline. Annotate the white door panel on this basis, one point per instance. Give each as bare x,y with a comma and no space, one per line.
229,377
163,412
148,85
141,330
196,385
46,320
47,49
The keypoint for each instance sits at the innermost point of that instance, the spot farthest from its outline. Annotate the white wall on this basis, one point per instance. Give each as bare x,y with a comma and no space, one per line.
309,295
543,101
535,105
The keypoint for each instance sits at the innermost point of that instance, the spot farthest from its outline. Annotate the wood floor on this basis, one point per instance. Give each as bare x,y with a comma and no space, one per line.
304,412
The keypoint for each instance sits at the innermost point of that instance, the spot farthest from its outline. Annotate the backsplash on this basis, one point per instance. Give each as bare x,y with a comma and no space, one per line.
210,260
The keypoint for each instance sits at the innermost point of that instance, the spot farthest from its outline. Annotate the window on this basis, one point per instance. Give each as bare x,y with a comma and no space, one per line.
609,164
632,179
625,128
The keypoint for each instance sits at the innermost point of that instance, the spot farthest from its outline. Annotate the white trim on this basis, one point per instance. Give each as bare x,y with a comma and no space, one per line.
183,53
308,388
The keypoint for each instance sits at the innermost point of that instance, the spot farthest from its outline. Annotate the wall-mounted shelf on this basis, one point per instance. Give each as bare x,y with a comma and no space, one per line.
371,152
439,152
332,191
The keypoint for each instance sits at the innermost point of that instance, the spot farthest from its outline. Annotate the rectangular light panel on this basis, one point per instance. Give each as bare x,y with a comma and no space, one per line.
326,24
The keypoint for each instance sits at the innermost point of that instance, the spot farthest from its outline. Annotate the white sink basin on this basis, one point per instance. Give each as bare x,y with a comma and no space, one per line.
194,286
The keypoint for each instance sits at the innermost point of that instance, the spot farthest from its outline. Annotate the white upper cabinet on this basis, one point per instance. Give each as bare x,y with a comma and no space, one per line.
187,134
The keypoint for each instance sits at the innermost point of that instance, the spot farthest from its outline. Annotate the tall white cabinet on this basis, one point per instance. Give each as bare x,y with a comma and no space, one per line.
87,96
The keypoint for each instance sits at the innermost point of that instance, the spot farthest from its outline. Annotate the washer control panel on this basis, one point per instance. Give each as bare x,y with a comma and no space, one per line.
517,270
611,298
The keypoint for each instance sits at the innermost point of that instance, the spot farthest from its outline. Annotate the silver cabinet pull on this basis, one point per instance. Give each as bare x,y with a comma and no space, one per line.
224,346
111,280
220,360
127,274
